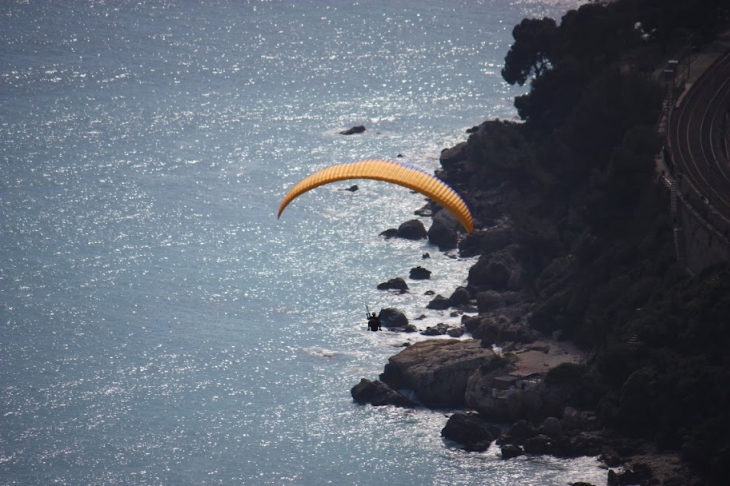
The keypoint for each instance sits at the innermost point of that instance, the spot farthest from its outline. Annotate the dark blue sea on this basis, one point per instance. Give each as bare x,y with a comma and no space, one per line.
158,323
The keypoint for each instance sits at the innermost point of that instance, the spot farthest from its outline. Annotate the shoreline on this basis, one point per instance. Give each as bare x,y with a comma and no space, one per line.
576,243
509,381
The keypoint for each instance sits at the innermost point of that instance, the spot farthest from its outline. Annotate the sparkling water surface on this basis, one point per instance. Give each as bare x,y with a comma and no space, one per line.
158,324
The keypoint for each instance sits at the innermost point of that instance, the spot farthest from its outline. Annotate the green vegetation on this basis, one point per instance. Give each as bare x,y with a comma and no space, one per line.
596,231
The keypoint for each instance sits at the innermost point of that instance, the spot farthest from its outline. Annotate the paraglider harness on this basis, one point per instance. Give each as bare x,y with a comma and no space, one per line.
374,323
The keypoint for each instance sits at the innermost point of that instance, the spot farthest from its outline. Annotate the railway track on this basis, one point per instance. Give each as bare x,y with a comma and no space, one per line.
697,137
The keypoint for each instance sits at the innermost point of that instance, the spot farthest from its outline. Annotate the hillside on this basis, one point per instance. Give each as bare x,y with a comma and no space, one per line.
592,227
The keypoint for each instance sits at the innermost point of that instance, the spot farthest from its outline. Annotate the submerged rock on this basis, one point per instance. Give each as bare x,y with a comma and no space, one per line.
389,233
396,283
378,393
353,130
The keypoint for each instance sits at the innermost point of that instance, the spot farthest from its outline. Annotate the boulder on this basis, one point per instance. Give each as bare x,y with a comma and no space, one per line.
378,393
450,157
456,332
581,444
469,431
391,317
437,370
637,473
419,273
495,430
551,427
438,330
471,323
439,303
571,419
510,450
540,444
412,230
444,230
489,300
353,130
396,283
589,421
389,233
523,432
495,330
483,242
460,297
497,271
492,272
426,211
516,313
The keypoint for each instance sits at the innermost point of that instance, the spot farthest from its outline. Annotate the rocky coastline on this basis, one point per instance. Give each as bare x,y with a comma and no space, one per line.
588,337
509,382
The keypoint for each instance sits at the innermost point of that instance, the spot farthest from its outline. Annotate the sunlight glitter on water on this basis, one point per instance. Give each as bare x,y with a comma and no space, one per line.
159,324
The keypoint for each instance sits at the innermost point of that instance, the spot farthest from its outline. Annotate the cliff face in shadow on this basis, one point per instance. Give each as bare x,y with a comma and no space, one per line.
576,180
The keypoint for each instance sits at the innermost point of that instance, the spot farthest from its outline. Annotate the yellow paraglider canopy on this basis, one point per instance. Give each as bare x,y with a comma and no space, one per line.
400,173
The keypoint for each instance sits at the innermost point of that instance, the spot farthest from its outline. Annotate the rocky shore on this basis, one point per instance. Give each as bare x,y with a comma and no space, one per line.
509,382
576,244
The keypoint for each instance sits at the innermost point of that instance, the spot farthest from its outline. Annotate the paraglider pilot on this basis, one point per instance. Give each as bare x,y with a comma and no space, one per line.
373,322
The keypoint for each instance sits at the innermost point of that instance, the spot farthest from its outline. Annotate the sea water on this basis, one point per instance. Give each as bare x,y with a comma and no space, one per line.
158,324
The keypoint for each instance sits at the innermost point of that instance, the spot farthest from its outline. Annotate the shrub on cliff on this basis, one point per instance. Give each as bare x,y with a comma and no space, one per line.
673,385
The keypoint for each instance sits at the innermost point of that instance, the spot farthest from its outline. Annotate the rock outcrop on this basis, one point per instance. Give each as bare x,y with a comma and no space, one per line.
439,303
498,329
419,273
484,242
437,370
396,283
453,157
391,317
498,271
460,297
378,393
470,431
537,383
412,230
444,232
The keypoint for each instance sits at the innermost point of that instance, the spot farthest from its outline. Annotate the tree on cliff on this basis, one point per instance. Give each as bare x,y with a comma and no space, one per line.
530,55
563,59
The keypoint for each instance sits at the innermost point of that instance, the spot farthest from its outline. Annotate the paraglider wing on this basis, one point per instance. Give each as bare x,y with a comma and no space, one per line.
399,173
